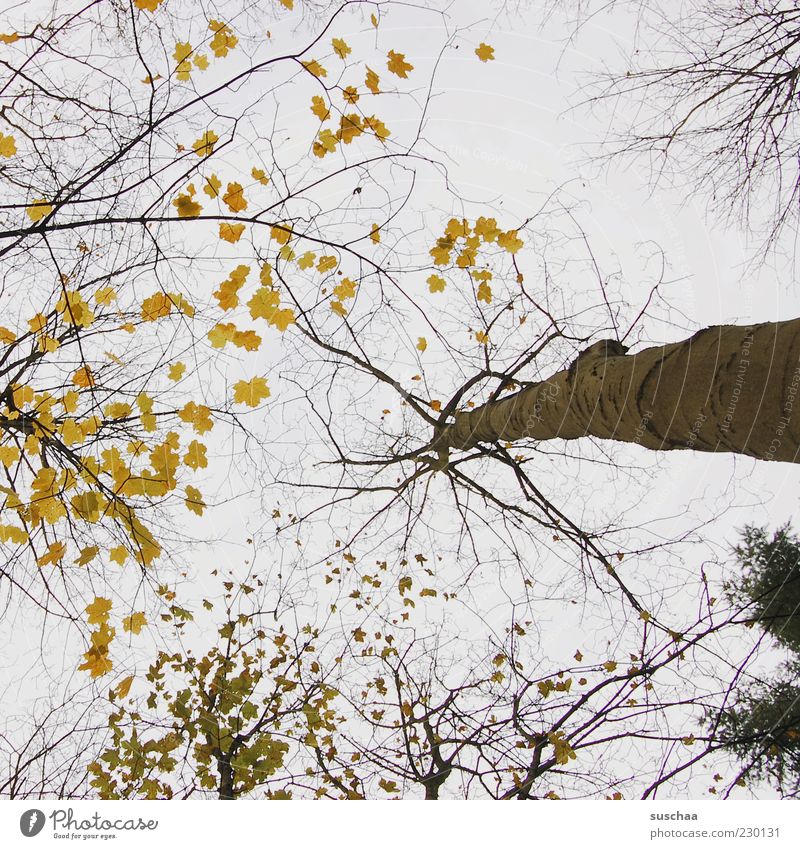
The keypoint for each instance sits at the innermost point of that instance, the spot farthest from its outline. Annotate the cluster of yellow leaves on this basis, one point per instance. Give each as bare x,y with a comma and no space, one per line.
225,332
186,205
223,40
184,56
227,294
343,291
161,304
351,126
265,302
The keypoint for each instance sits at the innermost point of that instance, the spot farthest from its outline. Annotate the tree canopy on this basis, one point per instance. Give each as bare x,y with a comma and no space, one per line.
245,308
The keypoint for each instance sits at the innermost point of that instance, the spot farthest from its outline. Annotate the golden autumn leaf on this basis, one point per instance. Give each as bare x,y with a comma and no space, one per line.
230,232
123,688
289,4
187,207
436,283
195,456
212,186
118,554
371,81
39,209
194,500
314,67
319,108
83,377
86,555
98,611
9,38
234,197
147,5
341,48
484,52
204,146
251,392
260,176
350,94
7,336
176,371
54,554
8,146
396,63
134,623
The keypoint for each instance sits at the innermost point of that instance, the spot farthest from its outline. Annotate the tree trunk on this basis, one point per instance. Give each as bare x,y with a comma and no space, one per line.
725,389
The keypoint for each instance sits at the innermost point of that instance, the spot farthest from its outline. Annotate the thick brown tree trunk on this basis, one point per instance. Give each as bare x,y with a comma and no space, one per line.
728,388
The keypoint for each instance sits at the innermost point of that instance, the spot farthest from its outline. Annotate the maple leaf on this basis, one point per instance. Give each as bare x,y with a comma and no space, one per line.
234,197
319,108
371,81
341,48
289,4
187,207
8,146
230,232
436,283
194,500
510,241
83,377
204,146
325,143
195,456
212,186
9,38
118,554
122,689
176,371
39,209
259,175
484,52
314,67
397,64
147,5
134,623
251,392
98,611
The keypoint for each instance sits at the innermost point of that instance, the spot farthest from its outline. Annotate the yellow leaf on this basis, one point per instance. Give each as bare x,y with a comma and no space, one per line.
374,20
98,611
8,146
436,283
281,233
38,210
183,50
9,454
319,108
87,555
259,175
11,533
339,308
187,207
134,623
289,4
251,392
234,197
230,232
83,377
54,554
372,80
350,94
103,297
9,38
397,64
326,263
195,457
97,662
147,5
609,666
118,554
7,336
484,52
314,67
345,290
194,500
482,337
341,48
325,143
510,241
176,371
123,688
485,293
375,234
212,186
204,146
117,410
304,261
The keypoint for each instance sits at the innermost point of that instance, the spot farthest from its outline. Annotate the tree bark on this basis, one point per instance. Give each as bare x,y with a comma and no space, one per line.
728,388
